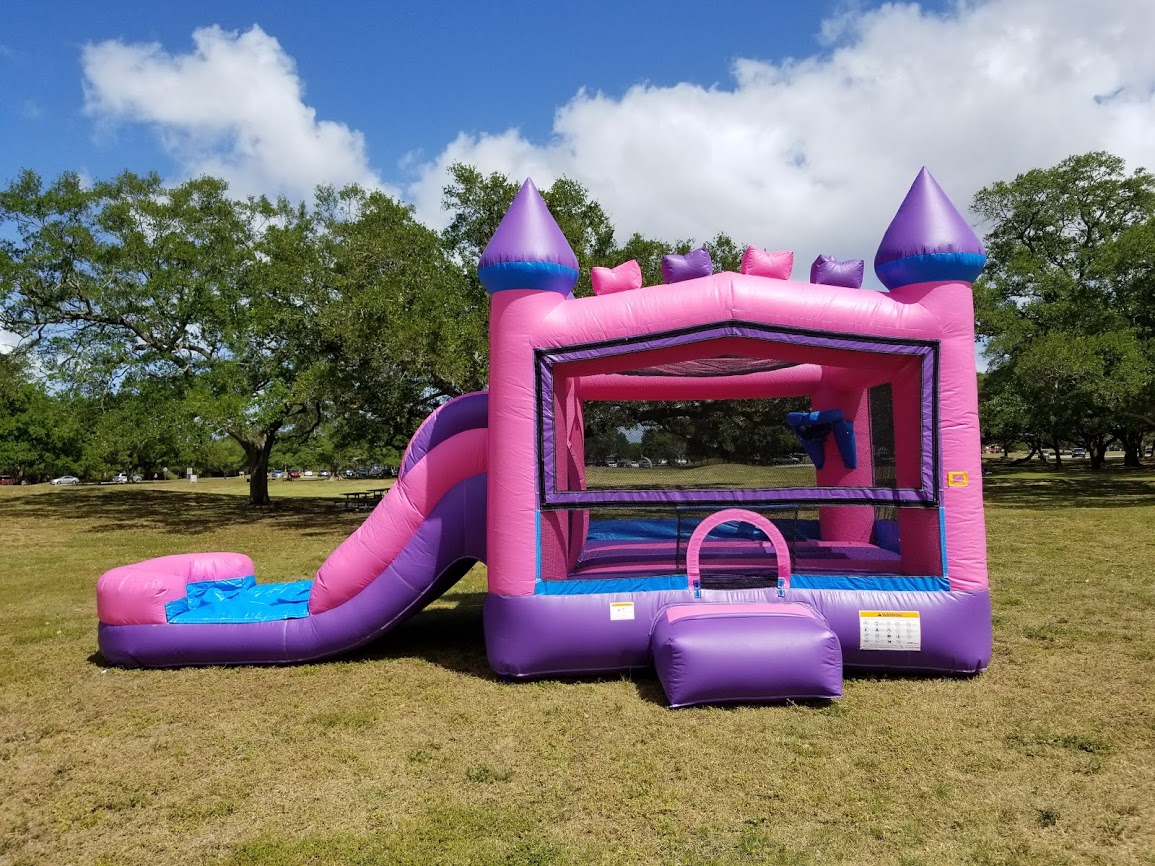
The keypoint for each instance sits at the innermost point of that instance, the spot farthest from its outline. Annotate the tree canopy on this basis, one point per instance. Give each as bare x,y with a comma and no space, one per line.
1066,304
170,320
260,318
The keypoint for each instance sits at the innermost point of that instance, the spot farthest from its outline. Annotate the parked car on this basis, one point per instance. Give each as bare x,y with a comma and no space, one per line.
645,463
324,473
294,473
1078,452
65,480
124,478
278,474
7,479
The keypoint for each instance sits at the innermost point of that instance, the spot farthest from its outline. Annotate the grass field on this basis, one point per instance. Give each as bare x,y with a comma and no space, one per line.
411,752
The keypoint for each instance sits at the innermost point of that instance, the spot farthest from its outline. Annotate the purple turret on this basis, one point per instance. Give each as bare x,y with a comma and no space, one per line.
528,250
928,240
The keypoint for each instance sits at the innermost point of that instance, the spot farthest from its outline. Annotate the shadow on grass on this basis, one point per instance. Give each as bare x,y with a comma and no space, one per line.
449,637
184,513
650,690
1074,486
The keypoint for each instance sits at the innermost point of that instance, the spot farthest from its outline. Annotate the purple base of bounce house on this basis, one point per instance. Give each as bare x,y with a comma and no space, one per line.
566,635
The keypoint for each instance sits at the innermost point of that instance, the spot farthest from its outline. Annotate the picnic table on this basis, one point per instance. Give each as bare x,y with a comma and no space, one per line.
363,500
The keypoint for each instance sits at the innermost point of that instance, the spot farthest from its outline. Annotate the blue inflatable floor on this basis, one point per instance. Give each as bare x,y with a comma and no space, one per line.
240,600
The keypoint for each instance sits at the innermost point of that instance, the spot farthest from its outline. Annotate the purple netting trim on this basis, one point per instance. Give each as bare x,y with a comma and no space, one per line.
547,466
726,365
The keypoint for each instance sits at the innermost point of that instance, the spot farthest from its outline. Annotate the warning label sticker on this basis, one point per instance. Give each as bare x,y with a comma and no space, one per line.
957,479
889,630
621,610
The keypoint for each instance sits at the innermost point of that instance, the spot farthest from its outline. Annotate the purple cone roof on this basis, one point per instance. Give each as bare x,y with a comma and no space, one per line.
528,233
926,223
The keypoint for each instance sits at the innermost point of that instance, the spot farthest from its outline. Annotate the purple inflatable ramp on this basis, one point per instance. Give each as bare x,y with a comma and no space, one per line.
745,654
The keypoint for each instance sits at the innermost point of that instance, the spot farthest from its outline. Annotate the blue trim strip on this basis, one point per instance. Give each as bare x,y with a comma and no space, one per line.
537,547
942,542
608,586
611,585
895,583
930,268
542,276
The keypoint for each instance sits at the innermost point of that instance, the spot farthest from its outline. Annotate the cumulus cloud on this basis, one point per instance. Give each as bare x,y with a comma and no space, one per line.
816,153
233,107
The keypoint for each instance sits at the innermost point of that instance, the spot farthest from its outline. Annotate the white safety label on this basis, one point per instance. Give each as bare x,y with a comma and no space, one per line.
621,610
889,630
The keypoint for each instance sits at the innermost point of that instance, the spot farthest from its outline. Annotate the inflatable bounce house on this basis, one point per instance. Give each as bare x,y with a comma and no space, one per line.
864,550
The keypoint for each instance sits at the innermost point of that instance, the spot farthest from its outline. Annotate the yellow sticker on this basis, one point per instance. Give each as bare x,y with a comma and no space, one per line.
896,630
957,479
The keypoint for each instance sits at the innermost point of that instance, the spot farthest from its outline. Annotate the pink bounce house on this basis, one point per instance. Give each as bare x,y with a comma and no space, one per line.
866,553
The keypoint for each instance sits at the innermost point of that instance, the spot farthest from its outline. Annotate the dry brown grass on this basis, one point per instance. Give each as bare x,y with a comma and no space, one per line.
412,752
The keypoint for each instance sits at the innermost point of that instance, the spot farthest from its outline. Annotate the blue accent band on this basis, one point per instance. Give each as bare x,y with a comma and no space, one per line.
611,585
930,268
942,542
894,583
541,276
537,546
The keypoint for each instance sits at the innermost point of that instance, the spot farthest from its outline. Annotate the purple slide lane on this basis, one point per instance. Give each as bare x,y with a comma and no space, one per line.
449,494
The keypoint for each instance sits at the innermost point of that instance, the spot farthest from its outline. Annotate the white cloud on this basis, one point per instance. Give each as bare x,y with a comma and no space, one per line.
232,108
815,154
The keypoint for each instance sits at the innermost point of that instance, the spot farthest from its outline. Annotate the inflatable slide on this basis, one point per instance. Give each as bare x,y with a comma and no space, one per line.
207,608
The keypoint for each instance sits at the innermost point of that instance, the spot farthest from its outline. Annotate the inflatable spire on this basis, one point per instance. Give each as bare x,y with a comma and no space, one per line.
928,240
528,250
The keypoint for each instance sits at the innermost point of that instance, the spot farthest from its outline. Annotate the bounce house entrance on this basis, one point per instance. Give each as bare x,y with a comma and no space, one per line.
625,545
831,440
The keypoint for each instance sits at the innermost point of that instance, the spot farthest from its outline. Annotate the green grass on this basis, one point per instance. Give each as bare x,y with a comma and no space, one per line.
411,752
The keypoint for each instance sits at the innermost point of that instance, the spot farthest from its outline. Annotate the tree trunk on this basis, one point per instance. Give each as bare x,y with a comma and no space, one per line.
1035,449
1098,451
1055,446
257,450
1132,448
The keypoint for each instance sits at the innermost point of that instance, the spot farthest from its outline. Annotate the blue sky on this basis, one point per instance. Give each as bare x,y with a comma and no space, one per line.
789,125
410,76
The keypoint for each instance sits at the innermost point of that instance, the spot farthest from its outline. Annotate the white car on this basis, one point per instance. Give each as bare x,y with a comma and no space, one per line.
121,478
65,479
